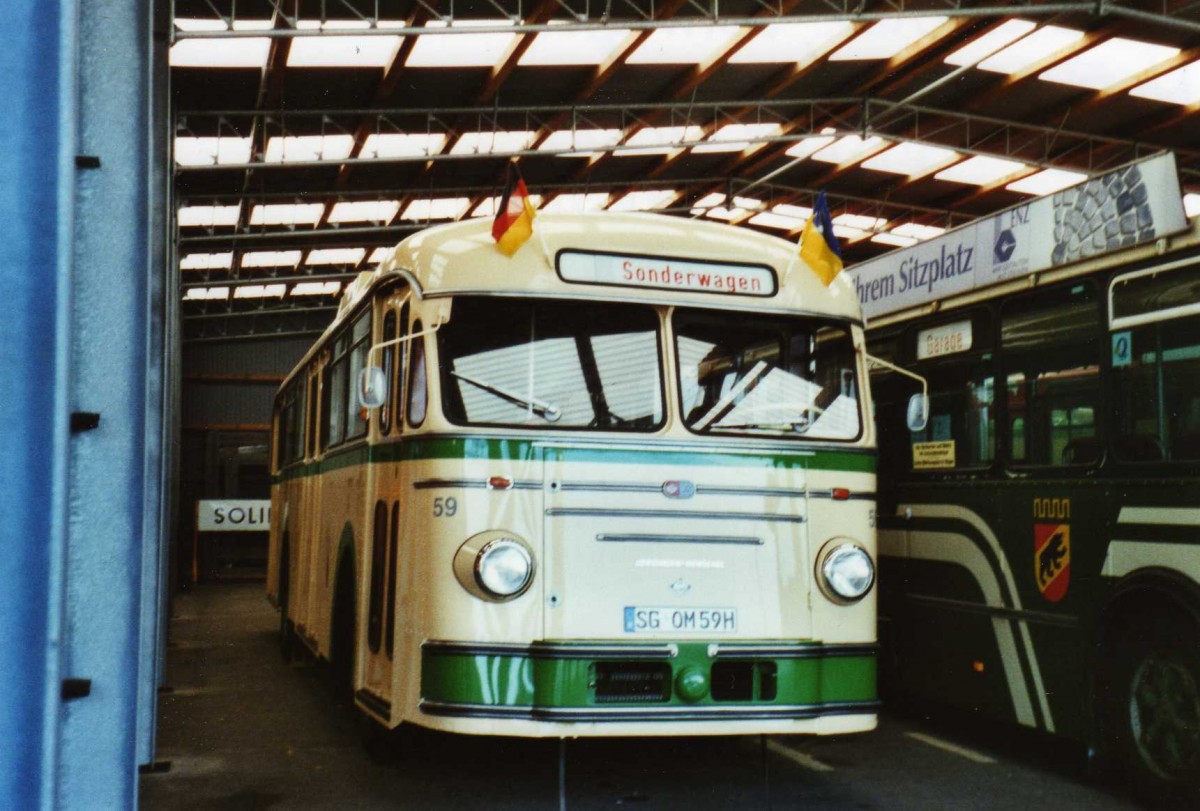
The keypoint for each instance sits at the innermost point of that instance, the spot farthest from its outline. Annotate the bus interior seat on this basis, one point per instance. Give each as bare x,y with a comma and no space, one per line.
1081,451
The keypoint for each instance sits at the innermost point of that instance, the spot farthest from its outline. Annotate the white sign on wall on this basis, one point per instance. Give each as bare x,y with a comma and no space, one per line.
1128,206
233,515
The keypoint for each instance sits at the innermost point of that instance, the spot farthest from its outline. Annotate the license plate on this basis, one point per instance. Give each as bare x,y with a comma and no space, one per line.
651,619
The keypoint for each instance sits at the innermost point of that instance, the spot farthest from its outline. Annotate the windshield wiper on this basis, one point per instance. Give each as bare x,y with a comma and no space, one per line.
722,406
547,411
799,425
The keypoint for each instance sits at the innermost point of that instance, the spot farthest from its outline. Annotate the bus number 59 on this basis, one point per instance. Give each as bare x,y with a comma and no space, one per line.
444,507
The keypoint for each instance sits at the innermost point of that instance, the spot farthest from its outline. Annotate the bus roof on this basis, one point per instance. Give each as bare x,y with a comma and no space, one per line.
627,256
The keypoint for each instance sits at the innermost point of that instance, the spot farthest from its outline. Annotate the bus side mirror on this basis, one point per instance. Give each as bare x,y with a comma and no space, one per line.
918,412
372,387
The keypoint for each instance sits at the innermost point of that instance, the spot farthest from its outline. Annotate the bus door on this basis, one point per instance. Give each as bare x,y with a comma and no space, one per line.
385,484
305,528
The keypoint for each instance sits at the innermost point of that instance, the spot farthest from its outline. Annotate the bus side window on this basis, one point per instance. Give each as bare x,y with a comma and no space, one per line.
962,412
1156,411
404,352
418,396
311,414
1050,345
387,363
333,398
360,336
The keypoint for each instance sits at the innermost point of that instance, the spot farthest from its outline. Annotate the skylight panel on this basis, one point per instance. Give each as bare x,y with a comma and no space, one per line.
592,139
850,234
800,42
659,140
191,151
271,259
908,158
1191,205
341,51
1045,41
806,146
335,256
683,46
578,203
1109,63
714,199
208,216
646,200
742,207
437,208
981,171
379,254
290,148
1180,86
725,213
402,144
287,214
769,219
364,211
736,137
574,47
849,148
316,288
894,240
487,208
886,38
797,212
860,221
460,50
1046,181
250,52
207,294
206,261
490,143
917,231
991,42
260,291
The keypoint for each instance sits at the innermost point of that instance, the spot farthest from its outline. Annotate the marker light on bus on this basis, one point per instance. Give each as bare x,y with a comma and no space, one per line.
494,565
847,572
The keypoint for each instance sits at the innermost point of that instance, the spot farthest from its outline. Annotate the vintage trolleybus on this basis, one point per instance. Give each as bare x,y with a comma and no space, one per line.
1040,539
619,484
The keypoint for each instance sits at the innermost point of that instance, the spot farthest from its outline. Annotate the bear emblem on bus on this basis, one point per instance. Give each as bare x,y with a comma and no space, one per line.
1052,559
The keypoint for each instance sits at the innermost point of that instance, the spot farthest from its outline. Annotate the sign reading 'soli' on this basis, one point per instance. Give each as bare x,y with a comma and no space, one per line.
233,515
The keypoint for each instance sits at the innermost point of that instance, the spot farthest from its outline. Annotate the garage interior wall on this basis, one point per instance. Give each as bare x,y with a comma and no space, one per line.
85,458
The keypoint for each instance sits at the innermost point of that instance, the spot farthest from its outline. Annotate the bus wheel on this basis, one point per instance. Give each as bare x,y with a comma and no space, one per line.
1154,708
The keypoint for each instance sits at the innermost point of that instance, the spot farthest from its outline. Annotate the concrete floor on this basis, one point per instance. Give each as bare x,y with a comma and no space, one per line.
242,730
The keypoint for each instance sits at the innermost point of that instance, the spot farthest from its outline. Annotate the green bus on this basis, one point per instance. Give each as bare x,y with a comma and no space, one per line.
1039,539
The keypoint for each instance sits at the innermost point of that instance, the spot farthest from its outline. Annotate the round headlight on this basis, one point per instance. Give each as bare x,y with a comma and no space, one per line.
503,567
848,572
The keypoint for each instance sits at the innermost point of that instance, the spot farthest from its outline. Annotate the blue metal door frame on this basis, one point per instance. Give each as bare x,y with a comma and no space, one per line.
83,459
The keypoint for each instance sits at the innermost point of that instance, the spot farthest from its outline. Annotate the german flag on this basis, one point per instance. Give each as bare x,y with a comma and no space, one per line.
818,246
514,217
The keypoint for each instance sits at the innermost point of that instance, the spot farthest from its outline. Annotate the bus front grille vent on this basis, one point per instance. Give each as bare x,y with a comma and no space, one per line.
744,681
631,682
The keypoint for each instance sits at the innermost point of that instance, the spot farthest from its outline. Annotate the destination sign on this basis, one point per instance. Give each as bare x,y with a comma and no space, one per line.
666,273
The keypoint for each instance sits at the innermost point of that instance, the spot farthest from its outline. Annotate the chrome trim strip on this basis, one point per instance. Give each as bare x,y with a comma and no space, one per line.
739,540
674,514
549,650
470,484
733,712
719,650
374,704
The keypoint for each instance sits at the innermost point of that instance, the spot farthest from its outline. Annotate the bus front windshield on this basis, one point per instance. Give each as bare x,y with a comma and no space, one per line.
552,364
766,375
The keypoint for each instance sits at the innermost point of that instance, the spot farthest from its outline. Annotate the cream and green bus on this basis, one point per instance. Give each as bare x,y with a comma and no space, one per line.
622,483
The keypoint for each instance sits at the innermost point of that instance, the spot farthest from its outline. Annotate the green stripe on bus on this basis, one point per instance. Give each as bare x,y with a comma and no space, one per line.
491,448
499,680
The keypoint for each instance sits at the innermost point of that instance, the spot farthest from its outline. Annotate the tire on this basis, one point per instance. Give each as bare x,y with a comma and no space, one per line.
1153,708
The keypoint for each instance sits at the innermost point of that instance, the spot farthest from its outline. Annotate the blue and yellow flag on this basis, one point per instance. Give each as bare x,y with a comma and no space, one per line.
818,246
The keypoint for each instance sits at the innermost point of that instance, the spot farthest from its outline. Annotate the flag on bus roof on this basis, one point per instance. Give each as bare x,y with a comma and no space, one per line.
818,246
514,216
